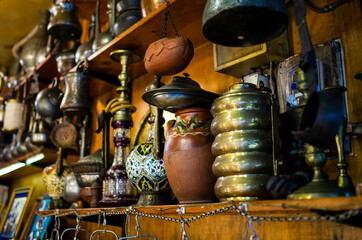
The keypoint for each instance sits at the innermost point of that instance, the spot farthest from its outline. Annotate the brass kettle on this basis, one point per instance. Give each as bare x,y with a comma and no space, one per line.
65,24
243,23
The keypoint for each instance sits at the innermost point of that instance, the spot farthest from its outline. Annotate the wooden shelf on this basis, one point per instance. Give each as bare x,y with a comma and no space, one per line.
46,70
187,16
253,207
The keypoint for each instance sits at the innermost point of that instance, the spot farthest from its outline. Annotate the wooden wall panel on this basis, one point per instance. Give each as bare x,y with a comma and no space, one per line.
345,23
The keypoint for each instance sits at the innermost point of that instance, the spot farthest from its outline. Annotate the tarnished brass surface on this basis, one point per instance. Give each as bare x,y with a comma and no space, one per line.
242,141
242,186
243,145
243,162
234,120
244,22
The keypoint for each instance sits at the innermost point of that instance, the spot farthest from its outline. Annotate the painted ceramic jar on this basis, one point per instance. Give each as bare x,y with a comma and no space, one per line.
148,175
188,157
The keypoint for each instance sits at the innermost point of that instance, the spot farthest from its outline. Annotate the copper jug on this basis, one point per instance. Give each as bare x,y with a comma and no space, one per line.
245,22
76,99
65,24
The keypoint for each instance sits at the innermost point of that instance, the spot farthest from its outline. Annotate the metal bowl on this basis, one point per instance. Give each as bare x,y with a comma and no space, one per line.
86,179
182,93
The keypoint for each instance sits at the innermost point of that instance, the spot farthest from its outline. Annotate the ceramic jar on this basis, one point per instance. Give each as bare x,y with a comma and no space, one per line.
148,175
243,145
188,157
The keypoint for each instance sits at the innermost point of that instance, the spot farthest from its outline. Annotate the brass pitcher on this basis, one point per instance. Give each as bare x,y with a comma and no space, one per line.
243,131
105,37
35,43
243,23
65,24
76,99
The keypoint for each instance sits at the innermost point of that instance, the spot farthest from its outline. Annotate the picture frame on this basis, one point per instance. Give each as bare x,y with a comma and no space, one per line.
37,226
11,223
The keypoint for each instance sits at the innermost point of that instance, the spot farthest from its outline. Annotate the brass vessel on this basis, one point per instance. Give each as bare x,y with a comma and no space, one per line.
243,130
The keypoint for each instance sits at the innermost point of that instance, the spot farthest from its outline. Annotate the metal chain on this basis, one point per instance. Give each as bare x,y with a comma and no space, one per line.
167,15
242,210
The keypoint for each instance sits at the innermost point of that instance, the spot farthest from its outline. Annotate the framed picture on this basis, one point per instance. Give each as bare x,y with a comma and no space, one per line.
37,226
14,214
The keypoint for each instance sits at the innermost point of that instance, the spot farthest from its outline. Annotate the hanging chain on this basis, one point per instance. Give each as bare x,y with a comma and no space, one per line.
167,15
241,209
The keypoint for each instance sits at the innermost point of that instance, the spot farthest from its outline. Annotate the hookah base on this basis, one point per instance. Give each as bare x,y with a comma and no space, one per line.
58,203
117,201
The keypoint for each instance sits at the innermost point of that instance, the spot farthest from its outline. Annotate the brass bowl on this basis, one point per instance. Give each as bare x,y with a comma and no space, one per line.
86,179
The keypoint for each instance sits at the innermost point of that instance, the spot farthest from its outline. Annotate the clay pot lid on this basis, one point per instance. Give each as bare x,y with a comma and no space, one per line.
181,93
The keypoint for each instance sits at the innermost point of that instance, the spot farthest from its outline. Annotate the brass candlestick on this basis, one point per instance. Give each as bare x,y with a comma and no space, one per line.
319,187
343,180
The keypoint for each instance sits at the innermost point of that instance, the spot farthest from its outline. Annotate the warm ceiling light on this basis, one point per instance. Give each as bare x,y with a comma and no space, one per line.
11,168
34,158
15,166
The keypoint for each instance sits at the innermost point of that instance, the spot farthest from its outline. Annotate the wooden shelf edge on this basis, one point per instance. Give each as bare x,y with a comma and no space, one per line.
264,206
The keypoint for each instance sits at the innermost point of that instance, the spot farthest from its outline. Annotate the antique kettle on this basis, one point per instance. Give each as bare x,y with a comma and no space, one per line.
245,22
65,24
48,100
76,99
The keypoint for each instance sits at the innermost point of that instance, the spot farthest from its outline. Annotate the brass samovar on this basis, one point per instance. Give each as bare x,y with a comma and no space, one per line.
243,146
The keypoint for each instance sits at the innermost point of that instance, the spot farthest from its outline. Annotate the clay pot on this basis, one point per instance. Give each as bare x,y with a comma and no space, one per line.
188,157
168,56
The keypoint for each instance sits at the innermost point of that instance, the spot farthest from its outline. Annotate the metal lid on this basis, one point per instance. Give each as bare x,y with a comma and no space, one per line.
181,93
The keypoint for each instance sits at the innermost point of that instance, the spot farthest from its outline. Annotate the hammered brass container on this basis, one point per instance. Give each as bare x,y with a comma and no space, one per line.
243,145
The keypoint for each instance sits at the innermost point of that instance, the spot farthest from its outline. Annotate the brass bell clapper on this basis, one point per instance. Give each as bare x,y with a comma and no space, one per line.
118,189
